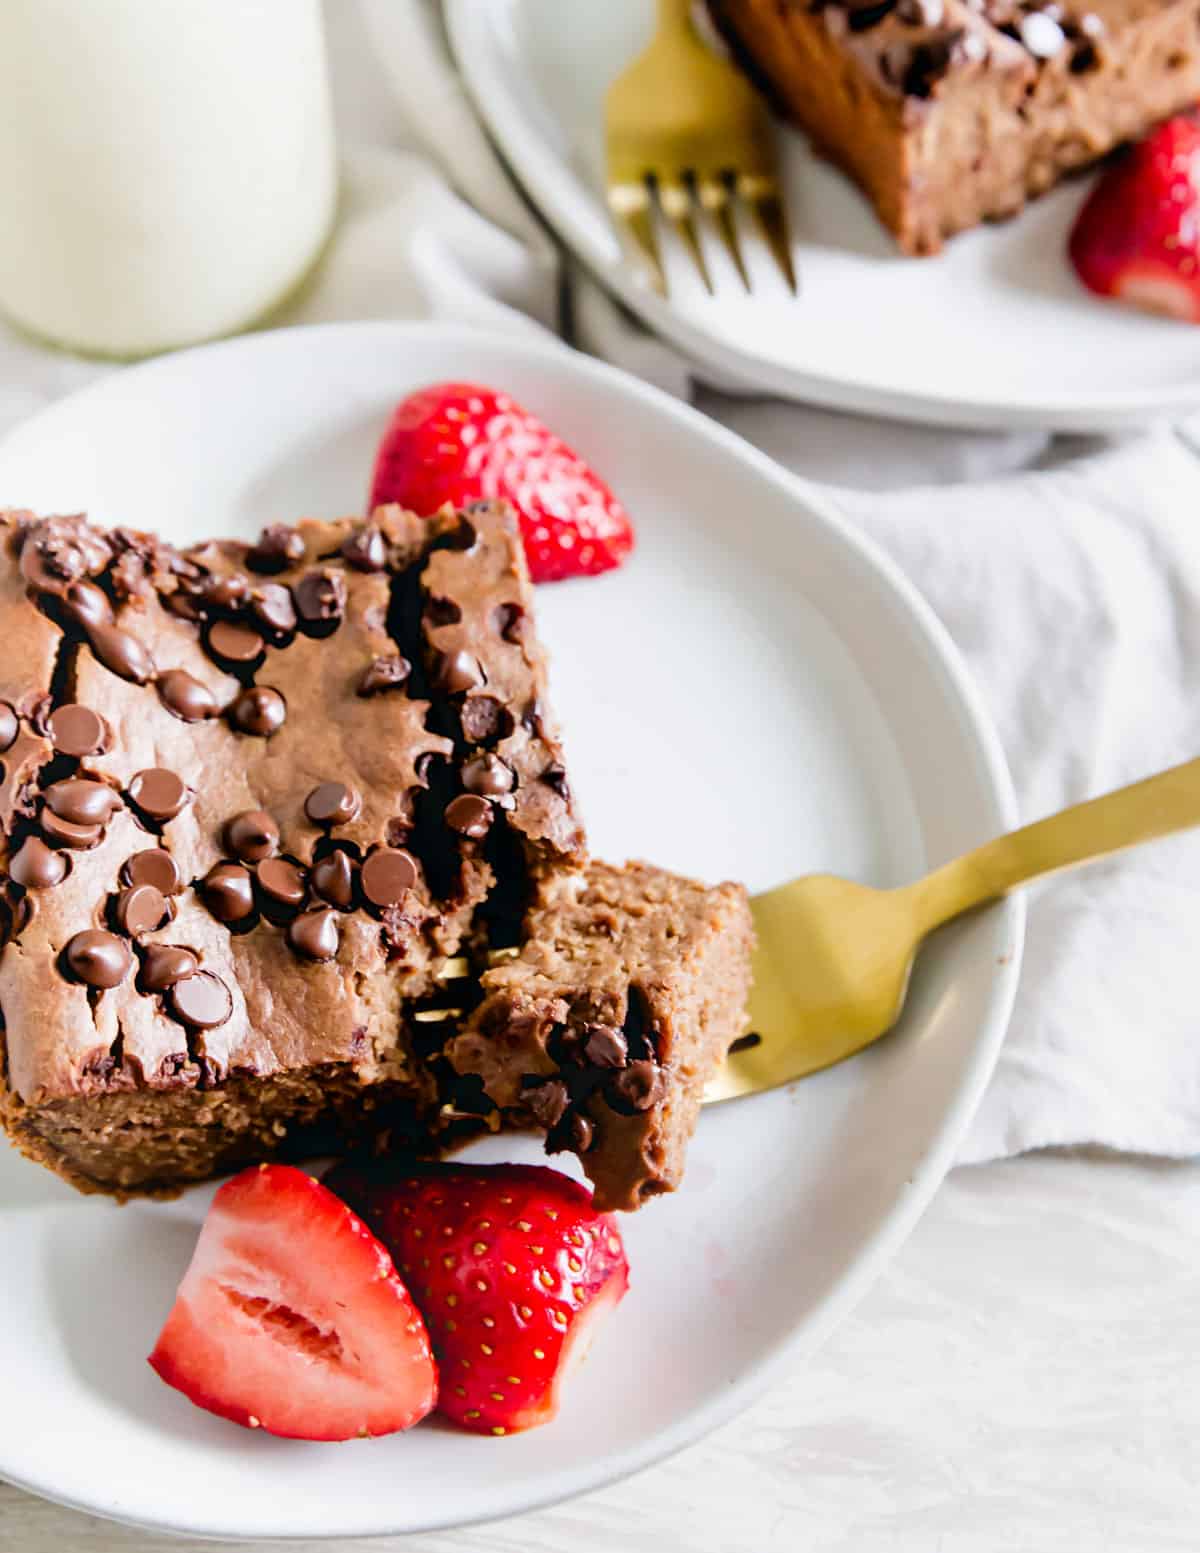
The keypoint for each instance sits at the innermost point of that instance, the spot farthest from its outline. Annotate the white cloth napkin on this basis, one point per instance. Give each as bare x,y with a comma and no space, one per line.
1069,575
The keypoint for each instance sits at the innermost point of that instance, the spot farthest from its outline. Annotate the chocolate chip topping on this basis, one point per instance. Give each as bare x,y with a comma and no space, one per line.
580,1132
67,834
9,726
273,610
201,1000
89,605
81,802
233,642
260,711
459,671
638,1087
365,549
386,673
332,803
314,934
278,548
140,909
605,1047
484,720
121,653
97,958
77,731
158,793
510,621
387,875
36,867
165,964
282,882
555,776
333,879
320,597
187,697
470,816
488,776
156,867
252,835
228,891
547,1103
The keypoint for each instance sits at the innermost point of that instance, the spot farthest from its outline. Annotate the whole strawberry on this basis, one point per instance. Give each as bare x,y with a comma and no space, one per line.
1137,237
459,442
511,1266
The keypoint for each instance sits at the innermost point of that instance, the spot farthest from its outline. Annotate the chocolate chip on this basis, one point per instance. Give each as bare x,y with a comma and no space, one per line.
484,720
227,592
155,866
121,653
509,621
79,838
233,642
605,1047
81,802
332,803
273,610
333,879
441,612
580,1131
228,891
252,835
201,1000
464,535
9,726
488,776
637,1087
278,547
469,816
547,1103
864,14
321,597
282,882
365,549
260,711
36,867
314,934
459,671
89,605
186,696
97,958
78,731
165,964
140,909
386,673
555,776
387,875
158,793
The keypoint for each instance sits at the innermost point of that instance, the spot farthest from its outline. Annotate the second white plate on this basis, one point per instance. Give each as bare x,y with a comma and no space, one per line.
996,331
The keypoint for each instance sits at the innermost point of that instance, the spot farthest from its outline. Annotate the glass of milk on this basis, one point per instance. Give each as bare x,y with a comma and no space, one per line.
167,167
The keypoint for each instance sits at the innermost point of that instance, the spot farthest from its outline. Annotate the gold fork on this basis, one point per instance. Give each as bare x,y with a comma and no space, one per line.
832,966
687,134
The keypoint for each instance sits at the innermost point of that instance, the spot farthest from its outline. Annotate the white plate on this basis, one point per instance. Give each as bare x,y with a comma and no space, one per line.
994,332
756,694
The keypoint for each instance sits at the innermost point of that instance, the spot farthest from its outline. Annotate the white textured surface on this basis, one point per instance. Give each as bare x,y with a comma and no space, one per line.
1022,1378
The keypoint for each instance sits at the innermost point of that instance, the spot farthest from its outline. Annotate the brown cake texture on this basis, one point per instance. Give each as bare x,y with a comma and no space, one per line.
268,813
949,113
630,986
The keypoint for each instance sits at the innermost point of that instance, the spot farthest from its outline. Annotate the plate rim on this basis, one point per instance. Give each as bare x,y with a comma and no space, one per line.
995,785
553,187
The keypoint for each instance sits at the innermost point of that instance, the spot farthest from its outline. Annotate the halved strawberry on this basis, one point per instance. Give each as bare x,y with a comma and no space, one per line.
1137,237
460,442
512,1267
291,1317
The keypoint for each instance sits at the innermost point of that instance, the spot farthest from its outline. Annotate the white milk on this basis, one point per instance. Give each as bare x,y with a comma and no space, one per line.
167,167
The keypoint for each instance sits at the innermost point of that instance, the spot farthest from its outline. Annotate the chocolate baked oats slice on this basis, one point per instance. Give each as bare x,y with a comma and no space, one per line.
253,798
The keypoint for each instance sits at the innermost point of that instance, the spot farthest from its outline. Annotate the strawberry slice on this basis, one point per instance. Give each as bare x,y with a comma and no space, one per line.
291,1317
512,1267
1137,237
459,443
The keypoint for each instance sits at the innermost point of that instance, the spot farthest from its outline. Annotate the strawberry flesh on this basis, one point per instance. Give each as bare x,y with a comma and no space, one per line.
1137,236
291,1317
512,1268
460,442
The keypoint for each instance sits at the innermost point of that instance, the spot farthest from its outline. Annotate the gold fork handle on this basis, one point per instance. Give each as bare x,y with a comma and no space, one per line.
674,14
1141,812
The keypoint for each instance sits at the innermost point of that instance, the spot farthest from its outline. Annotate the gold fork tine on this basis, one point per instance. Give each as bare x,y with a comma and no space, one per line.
716,199
677,205
763,197
633,207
